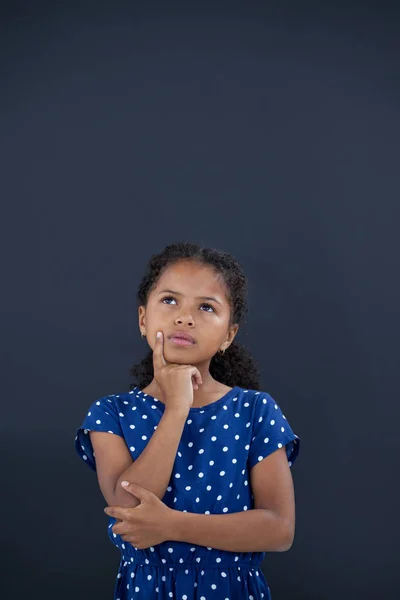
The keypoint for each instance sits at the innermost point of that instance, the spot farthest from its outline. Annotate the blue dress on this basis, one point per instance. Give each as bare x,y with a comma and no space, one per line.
220,444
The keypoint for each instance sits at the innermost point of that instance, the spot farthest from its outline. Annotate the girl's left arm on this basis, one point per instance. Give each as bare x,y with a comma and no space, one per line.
268,527
256,530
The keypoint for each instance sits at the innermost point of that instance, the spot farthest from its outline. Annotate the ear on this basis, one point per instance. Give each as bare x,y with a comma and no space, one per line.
231,334
142,317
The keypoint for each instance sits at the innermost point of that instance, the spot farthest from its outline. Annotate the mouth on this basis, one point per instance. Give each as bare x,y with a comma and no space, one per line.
182,339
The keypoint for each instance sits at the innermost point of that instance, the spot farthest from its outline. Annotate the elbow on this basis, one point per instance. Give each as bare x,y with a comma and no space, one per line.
287,537
123,498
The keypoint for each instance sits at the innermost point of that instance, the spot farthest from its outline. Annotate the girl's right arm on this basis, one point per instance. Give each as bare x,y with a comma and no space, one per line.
151,470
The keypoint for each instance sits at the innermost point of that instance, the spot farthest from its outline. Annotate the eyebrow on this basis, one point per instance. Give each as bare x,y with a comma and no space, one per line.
198,297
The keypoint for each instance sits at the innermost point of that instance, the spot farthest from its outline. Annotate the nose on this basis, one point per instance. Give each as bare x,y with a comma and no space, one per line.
185,320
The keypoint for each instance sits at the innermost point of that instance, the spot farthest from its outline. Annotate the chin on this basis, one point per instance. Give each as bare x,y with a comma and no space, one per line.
179,356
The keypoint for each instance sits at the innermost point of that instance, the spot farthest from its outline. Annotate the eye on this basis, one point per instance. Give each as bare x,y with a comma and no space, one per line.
168,298
204,303
209,306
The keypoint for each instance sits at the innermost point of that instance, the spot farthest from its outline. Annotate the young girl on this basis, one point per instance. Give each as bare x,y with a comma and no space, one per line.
206,452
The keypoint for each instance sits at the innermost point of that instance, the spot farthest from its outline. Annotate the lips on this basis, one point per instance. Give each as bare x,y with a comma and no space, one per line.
183,336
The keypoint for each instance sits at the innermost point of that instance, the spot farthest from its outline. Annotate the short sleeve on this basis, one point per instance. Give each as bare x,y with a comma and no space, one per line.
271,431
101,416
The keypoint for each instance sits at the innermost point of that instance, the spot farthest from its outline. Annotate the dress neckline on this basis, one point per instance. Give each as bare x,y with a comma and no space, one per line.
195,409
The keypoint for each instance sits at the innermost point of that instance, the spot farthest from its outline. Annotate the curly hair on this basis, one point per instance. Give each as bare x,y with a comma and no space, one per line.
235,367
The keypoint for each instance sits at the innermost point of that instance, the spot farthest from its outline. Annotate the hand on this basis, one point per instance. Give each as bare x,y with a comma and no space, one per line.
148,524
177,382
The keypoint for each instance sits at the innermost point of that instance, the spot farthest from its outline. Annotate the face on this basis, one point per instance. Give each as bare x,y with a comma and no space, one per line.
189,298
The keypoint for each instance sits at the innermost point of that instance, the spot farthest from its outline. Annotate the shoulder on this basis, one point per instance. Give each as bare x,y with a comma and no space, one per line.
253,397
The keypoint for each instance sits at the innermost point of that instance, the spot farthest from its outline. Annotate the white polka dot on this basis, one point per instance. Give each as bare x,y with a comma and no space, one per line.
121,414
272,422
177,475
98,421
222,473
213,439
225,449
132,449
201,451
201,474
132,426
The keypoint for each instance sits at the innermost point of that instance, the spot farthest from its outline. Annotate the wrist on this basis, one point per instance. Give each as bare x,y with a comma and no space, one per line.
177,411
174,533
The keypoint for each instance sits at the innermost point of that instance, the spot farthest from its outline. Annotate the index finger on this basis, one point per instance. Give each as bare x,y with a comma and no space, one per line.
118,512
158,352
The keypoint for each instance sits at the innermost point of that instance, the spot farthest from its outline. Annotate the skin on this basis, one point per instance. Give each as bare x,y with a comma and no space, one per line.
208,321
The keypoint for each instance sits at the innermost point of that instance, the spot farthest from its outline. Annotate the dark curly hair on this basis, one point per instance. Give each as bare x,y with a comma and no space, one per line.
236,366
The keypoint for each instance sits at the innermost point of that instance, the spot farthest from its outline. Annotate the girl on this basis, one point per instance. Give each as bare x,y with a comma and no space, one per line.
206,453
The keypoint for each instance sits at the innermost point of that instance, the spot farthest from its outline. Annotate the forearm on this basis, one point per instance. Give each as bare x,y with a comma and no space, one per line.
152,469
256,530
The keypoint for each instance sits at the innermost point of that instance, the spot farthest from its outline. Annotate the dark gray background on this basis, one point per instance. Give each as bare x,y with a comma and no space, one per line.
268,129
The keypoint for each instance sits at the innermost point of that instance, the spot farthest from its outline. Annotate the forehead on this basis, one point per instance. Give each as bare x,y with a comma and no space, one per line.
191,278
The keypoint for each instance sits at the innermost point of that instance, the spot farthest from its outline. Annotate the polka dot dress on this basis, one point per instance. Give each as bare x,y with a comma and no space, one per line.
220,444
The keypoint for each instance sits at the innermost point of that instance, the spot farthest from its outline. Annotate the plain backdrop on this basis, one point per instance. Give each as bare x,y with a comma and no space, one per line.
267,129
